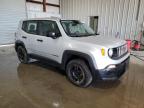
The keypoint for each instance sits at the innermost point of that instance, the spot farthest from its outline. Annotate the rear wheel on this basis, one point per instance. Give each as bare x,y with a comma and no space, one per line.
22,55
78,73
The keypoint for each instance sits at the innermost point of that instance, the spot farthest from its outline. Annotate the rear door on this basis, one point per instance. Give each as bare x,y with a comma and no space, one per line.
25,35
29,35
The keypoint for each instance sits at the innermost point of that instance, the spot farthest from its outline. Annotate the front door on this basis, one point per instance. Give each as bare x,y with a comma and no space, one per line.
47,46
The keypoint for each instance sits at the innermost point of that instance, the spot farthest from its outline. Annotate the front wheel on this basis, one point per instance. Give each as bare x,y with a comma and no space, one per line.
22,55
78,73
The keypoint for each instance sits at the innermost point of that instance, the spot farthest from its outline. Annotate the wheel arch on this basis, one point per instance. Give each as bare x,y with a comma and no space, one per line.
19,43
70,55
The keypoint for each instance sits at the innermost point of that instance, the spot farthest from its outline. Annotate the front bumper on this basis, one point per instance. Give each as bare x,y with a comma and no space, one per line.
114,73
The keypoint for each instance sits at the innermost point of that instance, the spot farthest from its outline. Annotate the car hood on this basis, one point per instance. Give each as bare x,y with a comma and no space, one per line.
101,41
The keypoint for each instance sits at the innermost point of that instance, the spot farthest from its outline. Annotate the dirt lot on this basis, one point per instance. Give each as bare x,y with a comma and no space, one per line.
38,85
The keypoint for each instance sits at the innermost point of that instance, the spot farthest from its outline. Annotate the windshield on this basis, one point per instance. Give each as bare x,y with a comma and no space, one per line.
75,28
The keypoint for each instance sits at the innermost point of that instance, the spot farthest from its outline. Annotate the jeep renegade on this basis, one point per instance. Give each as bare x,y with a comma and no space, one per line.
74,47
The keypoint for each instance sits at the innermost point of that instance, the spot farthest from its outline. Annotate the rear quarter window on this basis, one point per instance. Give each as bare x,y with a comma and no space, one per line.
24,26
30,27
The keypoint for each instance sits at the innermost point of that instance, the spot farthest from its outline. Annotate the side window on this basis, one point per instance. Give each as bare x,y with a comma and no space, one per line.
45,27
30,27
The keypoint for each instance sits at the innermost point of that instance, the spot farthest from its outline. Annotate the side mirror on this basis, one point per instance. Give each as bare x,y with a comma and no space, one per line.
52,35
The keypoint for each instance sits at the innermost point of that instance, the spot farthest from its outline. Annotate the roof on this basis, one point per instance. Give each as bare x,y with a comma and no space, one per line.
46,18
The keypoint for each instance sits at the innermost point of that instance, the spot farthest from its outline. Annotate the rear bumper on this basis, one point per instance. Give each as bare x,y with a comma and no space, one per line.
114,73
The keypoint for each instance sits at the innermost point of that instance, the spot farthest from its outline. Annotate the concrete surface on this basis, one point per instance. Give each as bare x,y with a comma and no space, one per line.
38,85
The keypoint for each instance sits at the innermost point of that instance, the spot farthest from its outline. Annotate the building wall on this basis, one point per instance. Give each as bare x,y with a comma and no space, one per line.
36,10
11,11
116,17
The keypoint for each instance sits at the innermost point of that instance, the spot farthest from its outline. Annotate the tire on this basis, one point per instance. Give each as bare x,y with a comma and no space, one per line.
78,73
22,55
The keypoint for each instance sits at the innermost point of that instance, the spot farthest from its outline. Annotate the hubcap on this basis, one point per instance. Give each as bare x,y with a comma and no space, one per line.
77,74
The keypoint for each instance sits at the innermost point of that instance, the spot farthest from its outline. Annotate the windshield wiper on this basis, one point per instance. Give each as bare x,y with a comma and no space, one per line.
87,35
94,34
74,36
97,34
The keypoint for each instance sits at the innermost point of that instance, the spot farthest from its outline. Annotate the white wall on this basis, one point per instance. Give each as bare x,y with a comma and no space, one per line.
11,11
36,10
115,16
53,1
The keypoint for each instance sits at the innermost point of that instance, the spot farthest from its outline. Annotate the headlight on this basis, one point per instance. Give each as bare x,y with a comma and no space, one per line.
110,52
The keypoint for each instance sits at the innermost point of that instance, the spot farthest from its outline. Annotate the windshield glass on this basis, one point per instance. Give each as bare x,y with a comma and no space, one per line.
75,28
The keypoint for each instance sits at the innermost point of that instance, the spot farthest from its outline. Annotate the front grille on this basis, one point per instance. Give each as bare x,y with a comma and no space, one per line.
119,52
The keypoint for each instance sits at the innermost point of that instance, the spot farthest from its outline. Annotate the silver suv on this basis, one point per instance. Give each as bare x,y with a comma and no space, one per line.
74,47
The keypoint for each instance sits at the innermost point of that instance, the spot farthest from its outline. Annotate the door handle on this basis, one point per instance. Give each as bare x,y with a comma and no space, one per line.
39,40
24,37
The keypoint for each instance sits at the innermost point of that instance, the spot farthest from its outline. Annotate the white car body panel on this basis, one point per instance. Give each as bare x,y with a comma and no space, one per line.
54,48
